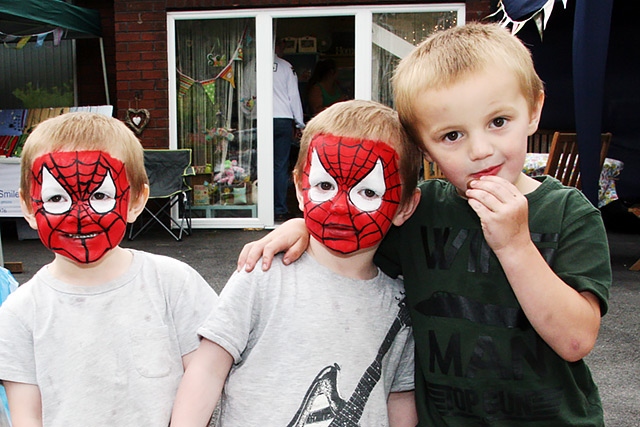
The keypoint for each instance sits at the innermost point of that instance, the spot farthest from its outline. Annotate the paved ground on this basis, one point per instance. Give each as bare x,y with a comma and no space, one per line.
615,361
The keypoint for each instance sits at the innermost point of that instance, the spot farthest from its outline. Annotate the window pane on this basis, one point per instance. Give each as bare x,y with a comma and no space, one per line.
394,35
214,119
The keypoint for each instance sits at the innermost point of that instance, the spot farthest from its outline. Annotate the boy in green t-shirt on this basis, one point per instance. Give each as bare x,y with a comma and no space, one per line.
506,276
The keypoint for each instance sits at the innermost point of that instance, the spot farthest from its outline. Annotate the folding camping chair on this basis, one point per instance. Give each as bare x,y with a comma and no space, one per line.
168,171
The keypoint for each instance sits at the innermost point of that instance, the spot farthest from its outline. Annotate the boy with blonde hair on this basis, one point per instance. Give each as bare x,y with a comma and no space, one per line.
102,334
326,338
506,276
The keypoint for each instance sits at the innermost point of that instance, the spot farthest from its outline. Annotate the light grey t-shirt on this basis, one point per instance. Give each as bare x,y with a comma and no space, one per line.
311,344
107,355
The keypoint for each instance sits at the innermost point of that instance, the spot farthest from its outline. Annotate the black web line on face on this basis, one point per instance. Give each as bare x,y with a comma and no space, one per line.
361,159
86,184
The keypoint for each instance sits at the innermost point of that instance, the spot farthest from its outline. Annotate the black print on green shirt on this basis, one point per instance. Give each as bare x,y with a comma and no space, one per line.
442,246
346,412
489,406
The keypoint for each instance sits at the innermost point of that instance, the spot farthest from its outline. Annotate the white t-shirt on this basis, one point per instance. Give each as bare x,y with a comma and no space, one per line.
306,340
106,355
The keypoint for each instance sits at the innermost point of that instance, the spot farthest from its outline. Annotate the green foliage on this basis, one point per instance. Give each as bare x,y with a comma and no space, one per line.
36,97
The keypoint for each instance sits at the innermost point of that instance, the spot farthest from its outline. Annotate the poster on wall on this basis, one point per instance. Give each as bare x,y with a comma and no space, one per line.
9,184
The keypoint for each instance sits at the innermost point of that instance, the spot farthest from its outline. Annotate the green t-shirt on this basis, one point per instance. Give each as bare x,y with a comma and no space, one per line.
478,360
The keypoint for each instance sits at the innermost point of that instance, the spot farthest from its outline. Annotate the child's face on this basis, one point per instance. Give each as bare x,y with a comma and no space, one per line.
351,191
80,203
477,126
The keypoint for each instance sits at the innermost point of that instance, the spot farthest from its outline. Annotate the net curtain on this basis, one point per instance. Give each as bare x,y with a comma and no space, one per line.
211,59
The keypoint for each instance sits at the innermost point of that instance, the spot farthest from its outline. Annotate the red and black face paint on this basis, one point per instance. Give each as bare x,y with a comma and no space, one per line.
351,190
80,200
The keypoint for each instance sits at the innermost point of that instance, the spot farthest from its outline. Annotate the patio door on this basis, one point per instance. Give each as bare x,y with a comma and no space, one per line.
220,88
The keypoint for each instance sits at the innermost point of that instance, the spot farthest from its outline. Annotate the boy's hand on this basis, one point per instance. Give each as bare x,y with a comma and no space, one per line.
292,236
503,211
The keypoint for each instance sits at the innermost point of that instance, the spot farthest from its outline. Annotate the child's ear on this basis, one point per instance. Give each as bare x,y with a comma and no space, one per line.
298,185
137,206
27,211
407,209
534,120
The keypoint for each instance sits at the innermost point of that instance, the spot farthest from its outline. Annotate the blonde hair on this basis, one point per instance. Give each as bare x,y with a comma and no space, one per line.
365,120
82,132
448,56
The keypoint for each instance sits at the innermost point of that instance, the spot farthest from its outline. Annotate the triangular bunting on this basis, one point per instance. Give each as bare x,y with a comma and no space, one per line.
227,74
185,83
209,87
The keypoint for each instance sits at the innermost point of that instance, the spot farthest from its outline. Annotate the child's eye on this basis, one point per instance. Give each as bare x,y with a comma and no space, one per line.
326,186
499,122
368,193
55,199
452,136
103,199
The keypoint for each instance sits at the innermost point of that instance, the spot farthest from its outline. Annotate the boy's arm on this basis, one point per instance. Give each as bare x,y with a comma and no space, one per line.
206,371
292,236
567,320
25,404
401,407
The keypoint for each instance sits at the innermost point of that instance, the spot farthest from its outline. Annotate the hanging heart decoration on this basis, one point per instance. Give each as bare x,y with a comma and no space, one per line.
137,119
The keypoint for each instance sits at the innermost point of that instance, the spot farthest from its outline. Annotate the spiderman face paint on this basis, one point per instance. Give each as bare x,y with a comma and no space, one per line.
80,200
351,191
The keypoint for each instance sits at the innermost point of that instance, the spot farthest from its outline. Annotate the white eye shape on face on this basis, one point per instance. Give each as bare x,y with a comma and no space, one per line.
322,186
55,200
103,200
367,194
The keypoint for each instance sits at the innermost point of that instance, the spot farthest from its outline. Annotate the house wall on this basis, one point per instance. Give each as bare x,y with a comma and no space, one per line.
136,52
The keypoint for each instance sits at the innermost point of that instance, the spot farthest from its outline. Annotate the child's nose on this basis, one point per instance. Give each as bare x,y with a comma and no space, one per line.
480,148
340,204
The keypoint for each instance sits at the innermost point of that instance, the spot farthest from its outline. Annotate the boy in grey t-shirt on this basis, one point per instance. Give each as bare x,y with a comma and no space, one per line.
102,334
328,337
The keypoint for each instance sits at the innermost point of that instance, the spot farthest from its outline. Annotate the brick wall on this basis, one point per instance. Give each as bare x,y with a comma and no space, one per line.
139,46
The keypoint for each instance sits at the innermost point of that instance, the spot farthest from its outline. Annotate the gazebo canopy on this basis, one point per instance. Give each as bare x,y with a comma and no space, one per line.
30,17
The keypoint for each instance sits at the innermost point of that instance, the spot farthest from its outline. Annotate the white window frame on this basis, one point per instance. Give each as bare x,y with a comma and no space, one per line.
264,33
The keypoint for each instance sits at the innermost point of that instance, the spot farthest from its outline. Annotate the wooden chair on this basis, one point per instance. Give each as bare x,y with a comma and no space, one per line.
431,170
540,142
564,161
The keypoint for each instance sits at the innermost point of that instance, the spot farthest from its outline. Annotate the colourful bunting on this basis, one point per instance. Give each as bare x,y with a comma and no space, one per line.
185,84
227,74
209,87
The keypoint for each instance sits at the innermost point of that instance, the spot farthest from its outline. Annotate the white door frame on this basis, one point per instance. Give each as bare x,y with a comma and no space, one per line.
264,58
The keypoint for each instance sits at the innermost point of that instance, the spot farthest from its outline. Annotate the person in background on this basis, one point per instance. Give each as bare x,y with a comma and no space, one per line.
507,276
288,121
323,89
100,336
326,338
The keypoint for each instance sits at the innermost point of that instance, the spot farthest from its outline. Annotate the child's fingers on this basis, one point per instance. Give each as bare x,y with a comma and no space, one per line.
249,256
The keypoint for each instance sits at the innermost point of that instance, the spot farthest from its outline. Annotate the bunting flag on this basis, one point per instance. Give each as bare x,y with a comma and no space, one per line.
227,74
23,41
185,84
516,13
209,87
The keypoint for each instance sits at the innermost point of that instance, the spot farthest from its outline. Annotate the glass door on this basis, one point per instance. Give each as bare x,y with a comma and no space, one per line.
220,88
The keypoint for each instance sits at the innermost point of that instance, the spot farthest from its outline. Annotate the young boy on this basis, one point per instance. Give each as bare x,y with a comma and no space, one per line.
506,276
325,338
102,334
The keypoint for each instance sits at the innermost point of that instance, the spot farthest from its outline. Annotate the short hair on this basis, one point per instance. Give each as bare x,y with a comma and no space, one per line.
84,131
365,120
448,56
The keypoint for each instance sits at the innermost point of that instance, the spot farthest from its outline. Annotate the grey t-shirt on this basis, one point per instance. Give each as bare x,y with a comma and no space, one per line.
106,355
311,344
